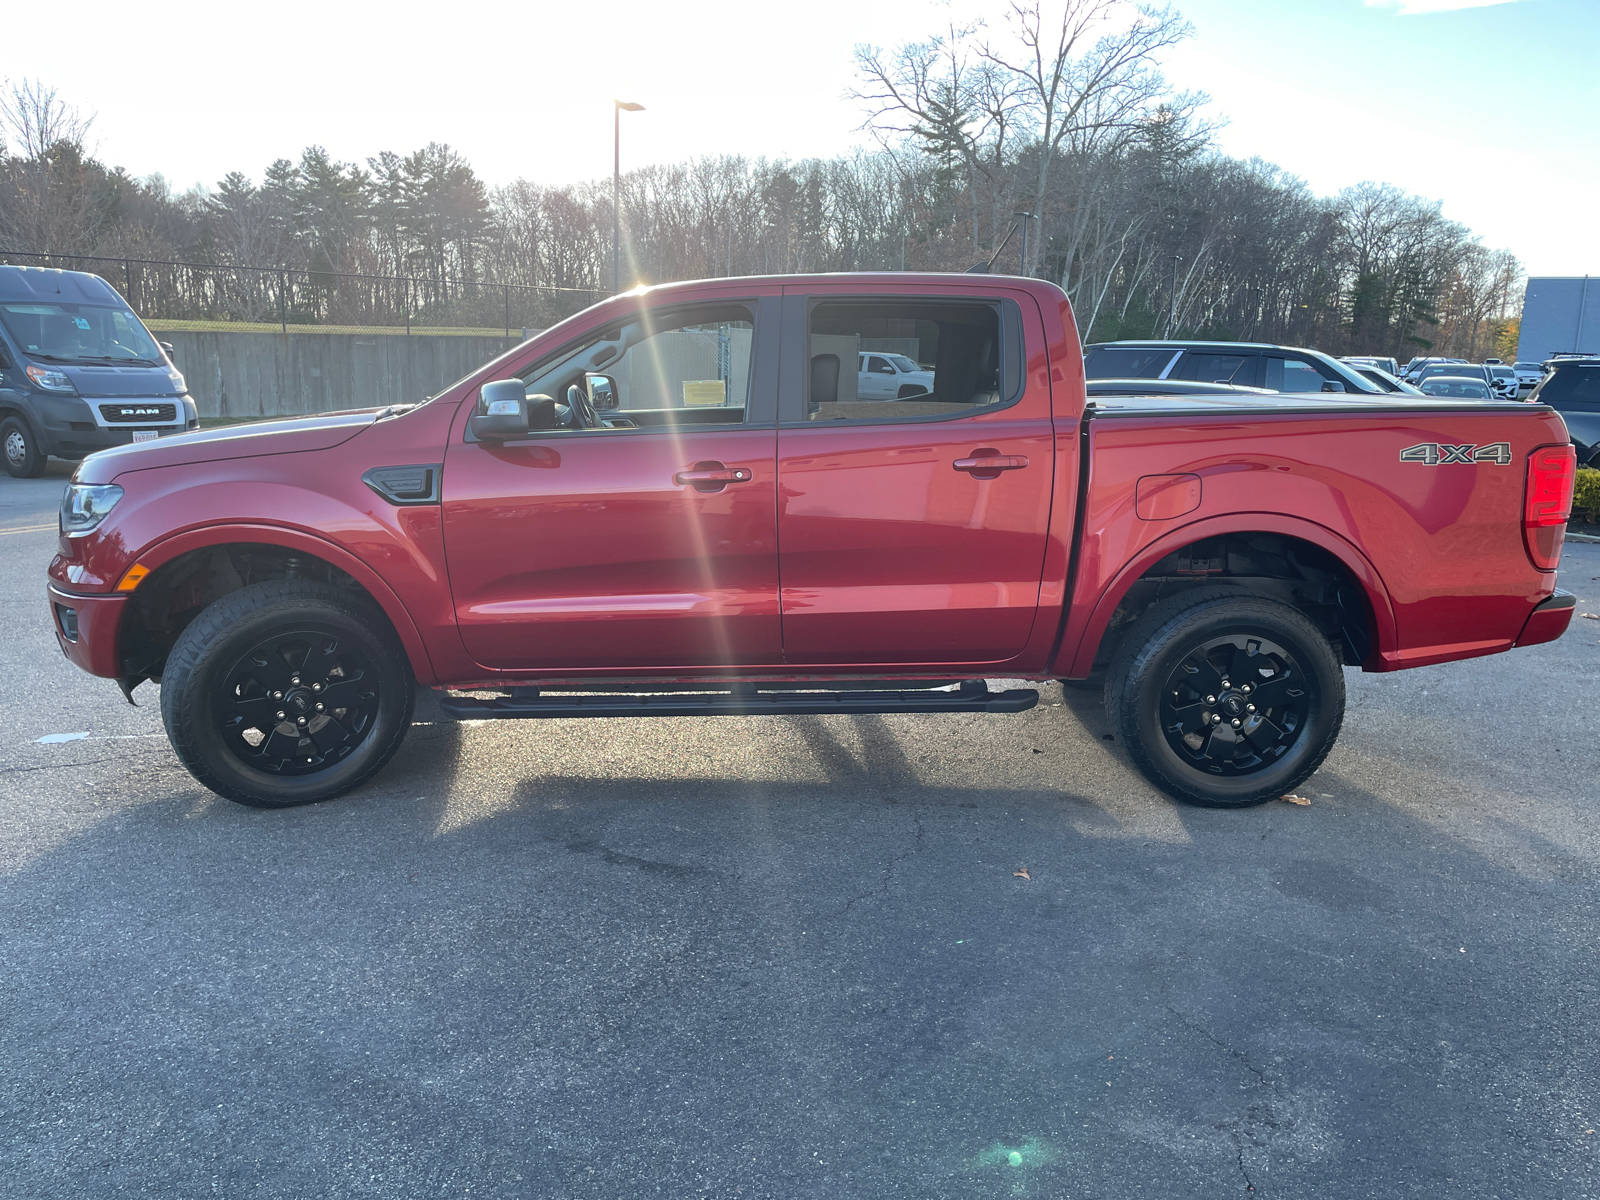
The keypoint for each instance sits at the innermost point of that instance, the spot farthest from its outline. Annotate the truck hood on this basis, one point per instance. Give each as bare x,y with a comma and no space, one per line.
234,441
96,382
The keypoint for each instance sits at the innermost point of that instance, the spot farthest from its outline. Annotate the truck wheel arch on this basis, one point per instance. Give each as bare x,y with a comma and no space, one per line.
170,555
1078,659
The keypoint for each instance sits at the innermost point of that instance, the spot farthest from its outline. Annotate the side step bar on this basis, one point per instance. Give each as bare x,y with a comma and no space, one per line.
972,696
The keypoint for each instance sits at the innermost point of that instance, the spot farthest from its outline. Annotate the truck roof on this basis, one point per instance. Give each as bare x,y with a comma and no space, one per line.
50,285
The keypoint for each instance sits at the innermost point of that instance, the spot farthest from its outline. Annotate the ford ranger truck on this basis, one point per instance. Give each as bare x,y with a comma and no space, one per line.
677,503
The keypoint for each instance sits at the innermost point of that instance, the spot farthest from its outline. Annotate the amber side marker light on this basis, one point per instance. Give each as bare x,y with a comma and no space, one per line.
133,578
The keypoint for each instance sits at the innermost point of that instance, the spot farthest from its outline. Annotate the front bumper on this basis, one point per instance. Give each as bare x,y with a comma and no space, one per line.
87,629
1549,620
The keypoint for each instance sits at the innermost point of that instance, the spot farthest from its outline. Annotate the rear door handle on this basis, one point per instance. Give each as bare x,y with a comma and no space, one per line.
712,477
991,464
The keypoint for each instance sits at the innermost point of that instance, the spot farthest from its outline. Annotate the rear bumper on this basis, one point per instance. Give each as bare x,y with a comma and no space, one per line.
95,621
1549,620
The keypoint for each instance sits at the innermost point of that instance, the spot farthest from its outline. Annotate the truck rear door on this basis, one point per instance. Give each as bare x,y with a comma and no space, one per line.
911,531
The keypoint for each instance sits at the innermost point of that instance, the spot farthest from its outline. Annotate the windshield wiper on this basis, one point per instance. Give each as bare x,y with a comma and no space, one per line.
93,358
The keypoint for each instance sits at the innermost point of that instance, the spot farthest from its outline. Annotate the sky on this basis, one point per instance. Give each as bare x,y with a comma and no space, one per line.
1490,106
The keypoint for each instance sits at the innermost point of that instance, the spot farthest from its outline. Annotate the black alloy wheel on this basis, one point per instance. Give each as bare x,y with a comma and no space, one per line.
1234,705
299,702
1224,698
287,692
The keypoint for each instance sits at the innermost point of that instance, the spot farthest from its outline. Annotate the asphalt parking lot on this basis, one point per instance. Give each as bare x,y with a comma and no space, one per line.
793,957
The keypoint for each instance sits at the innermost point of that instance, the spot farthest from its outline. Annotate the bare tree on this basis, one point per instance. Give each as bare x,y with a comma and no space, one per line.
48,168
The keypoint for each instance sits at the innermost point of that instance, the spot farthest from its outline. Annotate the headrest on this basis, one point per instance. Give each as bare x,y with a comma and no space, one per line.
824,379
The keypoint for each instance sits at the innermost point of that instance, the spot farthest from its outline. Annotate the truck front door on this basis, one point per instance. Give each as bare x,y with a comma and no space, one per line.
648,540
912,531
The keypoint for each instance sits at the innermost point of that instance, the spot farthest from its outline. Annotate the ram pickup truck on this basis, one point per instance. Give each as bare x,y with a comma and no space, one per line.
668,505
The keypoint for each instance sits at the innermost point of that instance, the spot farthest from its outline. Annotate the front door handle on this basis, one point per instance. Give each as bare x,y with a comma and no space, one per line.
712,476
987,464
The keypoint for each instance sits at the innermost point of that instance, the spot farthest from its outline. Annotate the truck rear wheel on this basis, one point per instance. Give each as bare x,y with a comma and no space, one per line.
286,692
1225,699
25,458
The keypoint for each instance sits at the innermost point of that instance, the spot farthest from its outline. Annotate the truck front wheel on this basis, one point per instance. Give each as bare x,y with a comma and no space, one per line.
25,458
286,692
1225,699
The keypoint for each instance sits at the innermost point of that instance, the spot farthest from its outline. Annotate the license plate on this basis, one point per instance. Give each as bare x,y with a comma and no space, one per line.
145,435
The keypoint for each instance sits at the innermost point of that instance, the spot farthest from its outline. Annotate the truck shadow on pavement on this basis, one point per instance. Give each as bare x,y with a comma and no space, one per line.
795,957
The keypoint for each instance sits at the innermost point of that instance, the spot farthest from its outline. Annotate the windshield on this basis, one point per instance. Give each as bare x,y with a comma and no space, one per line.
1572,388
90,333
904,363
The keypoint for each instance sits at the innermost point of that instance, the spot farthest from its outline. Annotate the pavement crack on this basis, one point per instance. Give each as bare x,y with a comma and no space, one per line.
54,766
1260,1122
893,864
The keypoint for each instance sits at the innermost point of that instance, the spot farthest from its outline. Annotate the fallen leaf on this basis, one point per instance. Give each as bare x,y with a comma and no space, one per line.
1291,798
1022,874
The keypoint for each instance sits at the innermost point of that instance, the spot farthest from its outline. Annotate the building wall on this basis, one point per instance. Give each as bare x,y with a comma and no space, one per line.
253,374
1559,313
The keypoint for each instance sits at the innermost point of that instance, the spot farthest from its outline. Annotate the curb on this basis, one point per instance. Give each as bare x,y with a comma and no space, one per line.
1584,537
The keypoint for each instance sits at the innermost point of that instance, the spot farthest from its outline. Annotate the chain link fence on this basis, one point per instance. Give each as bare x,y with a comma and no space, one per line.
203,296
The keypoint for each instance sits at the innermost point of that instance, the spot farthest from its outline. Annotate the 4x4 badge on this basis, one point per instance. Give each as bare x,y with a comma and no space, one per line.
1436,454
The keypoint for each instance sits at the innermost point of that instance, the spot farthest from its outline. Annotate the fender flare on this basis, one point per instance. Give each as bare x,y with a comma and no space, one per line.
1083,653
164,551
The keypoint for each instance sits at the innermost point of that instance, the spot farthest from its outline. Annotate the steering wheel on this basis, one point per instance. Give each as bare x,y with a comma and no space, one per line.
583,413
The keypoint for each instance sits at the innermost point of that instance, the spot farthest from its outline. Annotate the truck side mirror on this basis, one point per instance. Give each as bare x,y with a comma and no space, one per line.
5,358
502,414
1332,385
602,391
170,349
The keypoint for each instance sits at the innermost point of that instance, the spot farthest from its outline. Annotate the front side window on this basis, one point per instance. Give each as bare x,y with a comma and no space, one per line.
90,333
1214,368
933,359
664,367
1292,375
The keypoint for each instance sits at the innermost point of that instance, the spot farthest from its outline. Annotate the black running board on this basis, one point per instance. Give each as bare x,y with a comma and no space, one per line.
968,698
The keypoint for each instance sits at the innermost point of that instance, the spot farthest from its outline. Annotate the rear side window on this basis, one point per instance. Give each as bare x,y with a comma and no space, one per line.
1128,362
1576,389
953,360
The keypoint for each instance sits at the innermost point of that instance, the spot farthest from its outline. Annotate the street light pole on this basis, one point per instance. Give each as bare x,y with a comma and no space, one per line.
1172,317
616,190
1024,218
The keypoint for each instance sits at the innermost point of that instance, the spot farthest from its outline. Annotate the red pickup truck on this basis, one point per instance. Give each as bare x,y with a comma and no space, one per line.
683,501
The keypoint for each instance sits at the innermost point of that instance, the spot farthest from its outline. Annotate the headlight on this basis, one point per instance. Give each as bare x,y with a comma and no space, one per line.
84,506
178,381
50,379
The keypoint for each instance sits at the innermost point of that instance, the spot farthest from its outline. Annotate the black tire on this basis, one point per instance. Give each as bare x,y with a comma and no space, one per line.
221,688
24,457
1160,694
908,390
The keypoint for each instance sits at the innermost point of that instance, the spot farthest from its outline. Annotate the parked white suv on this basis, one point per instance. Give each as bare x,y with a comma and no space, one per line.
1528,375
891,377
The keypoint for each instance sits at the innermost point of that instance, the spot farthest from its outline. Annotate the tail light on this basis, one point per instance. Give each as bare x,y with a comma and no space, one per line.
1548,503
